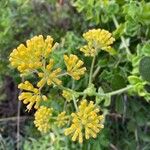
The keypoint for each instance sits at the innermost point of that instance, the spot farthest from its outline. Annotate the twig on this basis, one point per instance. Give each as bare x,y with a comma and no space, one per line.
18,121
115,115
2,142
136,139
124,108
14,118
113,146
18,124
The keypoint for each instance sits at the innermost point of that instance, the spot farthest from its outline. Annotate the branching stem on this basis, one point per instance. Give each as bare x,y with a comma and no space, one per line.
102,94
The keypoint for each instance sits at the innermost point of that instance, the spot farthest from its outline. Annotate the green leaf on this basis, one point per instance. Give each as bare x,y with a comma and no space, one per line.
131,27
144,68
99,99
112,51
134,80
103,62
107,101
132,10
119,31
117,82
145,15
90,90
147,97
140,89
112,9
140,118
119,104
146,49
131,125
144,137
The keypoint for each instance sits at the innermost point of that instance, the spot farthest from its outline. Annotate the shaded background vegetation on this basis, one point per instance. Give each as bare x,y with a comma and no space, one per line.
127,125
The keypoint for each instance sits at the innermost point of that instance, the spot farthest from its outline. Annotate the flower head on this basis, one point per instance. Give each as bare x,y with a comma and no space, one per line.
42,119
74,66
88,50
31,95
49,76
28,58
67,95
97,39
85,123
62,119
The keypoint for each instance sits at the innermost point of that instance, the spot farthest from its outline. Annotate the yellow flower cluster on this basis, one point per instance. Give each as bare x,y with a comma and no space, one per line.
97,39
42,119
86,122
28,58
67,95
35,57
31,95
74,66
62,119
49,76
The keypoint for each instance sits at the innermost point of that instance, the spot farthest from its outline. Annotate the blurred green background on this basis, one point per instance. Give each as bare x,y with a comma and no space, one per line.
127,125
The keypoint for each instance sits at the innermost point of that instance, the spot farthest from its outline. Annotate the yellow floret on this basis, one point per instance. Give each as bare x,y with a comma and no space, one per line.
42,119
49,76
74,66
62,119
28,58
67,95
31,95
97,39
86,123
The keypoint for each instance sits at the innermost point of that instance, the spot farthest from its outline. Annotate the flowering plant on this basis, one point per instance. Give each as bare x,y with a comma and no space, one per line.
87,118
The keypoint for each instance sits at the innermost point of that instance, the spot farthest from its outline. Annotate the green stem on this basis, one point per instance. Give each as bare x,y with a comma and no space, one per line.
67,89
64,88
115,92
63,74
122,37
84,96
54,129
91,70
96,72
102,94
75,104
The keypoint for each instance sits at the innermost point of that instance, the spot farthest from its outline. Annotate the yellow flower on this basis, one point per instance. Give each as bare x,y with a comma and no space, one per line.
49,76
31,95
62,119
85,123
28,58
97,39
74,66
42,119
67,95
88,50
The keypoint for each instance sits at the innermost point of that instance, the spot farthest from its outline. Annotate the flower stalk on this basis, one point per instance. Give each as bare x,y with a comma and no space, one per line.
91,70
